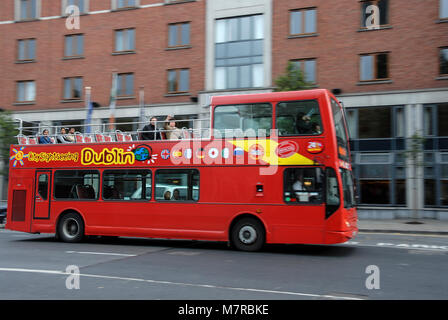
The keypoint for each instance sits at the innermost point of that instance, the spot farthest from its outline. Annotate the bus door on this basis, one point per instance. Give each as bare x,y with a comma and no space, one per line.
20,203
42,197
304,195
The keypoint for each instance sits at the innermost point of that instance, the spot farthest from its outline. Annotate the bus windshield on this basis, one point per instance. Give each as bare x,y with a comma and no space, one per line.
341,132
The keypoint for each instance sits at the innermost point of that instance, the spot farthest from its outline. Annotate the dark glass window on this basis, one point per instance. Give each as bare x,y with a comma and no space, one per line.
28,9
179,34
374,122
26,50
74,45
178,80
442,119
124,40
303,21
73,88
127,185
177,185
341,130
383,9
125,4
348,188
374,66
42,188
76,184
125,84
444,60
303,185
298,118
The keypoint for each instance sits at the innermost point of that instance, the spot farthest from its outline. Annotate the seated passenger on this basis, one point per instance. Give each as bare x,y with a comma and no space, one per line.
167,195
176,194
45,139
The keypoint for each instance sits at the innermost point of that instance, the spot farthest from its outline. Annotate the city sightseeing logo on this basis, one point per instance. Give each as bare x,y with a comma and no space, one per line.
18,156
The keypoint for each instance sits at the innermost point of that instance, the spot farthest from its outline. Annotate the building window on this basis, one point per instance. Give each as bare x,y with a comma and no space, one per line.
73,88
374,123
367,15
178,80
303,22
26,50
26,91
74,45
374,66
308,68
178,34
239,52
177,185
443,62
125,84
124,40
124,4
27,9
443,11
127,185
81,4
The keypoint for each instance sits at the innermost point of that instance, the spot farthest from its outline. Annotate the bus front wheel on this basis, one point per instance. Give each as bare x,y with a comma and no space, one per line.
71,228
248,235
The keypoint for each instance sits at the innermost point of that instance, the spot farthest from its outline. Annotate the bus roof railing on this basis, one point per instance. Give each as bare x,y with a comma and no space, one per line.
29,132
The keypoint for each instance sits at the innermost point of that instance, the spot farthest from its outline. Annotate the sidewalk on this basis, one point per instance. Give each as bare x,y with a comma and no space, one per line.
424,226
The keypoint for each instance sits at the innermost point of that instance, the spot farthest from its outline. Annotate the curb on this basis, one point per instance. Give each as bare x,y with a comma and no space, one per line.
404,231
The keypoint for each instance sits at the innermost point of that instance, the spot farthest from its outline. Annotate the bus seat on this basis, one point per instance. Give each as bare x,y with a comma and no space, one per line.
32,140
119,135
22,139
85,191
79,137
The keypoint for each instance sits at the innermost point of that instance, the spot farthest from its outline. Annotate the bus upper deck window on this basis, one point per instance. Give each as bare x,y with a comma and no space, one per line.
298,118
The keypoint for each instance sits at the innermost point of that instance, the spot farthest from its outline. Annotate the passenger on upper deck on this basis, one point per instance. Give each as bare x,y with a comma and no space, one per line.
45,139
62,137
172,132
150,131
70,137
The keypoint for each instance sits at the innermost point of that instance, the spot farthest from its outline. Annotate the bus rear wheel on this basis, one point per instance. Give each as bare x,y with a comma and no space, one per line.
71,228
248,235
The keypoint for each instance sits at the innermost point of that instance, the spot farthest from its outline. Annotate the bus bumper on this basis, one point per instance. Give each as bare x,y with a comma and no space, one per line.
332,237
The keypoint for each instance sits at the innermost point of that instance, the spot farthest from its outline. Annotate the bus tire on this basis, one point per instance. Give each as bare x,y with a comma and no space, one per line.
248,234
71,228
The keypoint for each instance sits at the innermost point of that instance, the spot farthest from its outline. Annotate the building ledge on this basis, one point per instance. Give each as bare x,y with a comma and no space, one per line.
365,83
177,94
24,103
178,48
297,36
123,53
442,20
71,100
375,29
168,2
442,78
25,61
73,58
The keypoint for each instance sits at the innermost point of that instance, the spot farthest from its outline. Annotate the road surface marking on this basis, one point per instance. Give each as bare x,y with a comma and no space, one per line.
103,253
56,272
415,246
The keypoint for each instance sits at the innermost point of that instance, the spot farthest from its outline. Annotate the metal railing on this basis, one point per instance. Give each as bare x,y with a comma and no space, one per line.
30,132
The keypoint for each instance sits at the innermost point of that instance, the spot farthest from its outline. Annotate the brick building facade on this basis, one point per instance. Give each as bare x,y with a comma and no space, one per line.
392,79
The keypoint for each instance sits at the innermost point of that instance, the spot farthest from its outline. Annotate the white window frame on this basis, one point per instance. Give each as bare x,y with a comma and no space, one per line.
18,13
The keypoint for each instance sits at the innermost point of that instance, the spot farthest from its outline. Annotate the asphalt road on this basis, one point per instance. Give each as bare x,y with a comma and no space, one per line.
401,267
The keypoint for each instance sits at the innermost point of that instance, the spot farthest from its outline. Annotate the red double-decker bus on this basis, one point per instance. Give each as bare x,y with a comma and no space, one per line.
274,168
